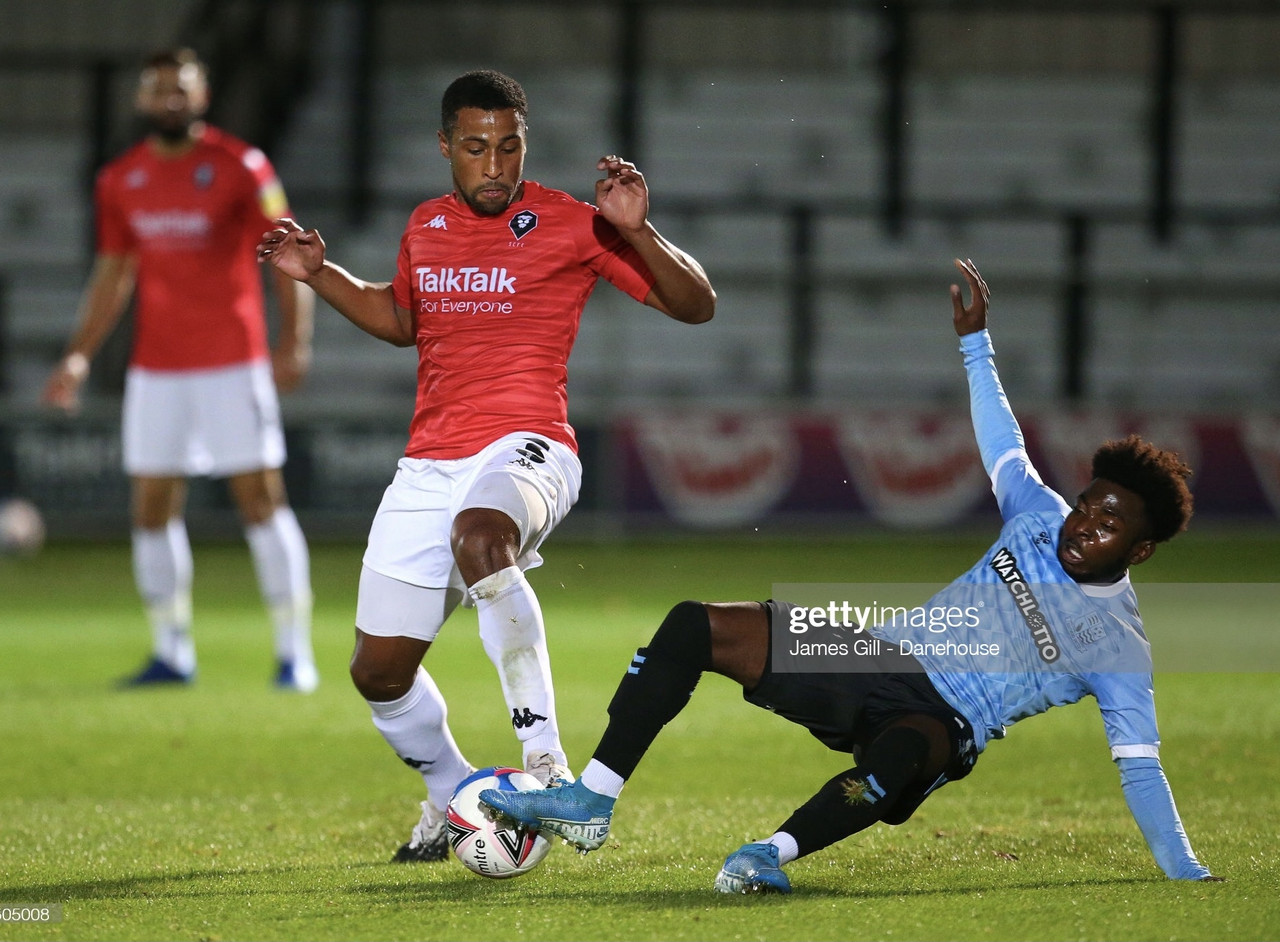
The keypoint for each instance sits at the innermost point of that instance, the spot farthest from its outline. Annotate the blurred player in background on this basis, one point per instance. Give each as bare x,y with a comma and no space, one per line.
178,216
1052,594
490,285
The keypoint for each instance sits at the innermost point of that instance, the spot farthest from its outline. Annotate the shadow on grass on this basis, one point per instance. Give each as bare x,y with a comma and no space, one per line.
376,882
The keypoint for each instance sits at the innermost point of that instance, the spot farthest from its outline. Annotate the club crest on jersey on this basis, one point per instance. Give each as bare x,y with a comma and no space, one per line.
522,223
1088,631
202,176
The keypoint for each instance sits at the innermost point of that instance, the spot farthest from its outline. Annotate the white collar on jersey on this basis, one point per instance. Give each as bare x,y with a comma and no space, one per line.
1106,590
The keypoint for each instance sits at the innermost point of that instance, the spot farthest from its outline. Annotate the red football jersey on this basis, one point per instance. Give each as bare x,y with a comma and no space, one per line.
194,223
496,302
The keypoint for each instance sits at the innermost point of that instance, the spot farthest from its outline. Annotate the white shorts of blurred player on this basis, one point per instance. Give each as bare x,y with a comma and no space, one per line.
216,422
410,582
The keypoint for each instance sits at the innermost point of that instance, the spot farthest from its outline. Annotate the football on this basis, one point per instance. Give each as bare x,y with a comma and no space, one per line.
21,527
487,847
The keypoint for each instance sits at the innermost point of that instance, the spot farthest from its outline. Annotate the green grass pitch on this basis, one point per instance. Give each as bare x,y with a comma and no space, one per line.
232,811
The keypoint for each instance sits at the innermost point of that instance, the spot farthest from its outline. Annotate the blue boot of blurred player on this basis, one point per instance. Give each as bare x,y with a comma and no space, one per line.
157,672
753,868
299,676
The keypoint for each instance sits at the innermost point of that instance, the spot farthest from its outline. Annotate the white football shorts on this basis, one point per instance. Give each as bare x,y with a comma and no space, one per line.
532,479
216,422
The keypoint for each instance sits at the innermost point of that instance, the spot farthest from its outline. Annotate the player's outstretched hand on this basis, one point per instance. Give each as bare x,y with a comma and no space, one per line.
970,318
297,252
622,196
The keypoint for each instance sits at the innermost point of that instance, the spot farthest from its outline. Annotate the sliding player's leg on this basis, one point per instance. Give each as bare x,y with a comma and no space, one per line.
912,752
726,638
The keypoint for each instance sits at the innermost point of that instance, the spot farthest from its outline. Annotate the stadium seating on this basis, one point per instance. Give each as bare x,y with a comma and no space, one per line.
993,166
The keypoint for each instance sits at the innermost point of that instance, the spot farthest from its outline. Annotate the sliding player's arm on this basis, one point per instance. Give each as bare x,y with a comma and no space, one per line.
1129,714
1017,485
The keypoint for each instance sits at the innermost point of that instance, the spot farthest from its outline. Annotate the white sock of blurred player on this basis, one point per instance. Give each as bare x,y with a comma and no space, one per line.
283,565
416,727
162,571
515,638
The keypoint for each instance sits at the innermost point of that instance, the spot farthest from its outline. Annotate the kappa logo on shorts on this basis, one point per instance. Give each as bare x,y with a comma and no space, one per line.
535,450
522,223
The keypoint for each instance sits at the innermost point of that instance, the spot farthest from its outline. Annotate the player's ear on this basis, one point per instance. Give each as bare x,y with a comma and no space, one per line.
199,98
1141,551
445,150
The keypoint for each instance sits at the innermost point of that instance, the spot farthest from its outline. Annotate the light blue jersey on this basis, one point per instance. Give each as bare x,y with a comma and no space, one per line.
1025,636
1022,636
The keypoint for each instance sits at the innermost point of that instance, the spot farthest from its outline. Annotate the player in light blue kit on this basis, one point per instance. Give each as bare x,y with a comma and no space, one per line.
1045,618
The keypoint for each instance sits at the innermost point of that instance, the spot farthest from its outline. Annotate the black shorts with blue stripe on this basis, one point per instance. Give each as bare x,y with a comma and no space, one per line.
847,708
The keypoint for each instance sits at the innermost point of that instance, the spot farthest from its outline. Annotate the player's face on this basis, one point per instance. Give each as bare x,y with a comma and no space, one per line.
486,155
172,99
1105,533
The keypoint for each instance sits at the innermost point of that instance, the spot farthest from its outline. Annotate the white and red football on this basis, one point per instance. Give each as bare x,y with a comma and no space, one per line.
488,847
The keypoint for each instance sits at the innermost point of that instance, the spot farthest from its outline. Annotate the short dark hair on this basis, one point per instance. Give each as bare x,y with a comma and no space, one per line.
484,89
1159,477
174,58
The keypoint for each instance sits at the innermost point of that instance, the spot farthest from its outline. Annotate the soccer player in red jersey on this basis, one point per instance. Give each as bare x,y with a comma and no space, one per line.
178,216
490,284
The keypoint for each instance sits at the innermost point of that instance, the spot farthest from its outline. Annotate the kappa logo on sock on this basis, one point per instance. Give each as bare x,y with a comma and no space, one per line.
526,719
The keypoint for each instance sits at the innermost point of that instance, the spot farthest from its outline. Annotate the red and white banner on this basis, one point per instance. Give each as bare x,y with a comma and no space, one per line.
908,468
1261,434
1068,441
912,470
717,470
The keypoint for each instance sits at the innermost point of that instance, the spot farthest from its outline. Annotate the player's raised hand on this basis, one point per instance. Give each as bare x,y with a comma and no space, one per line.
297,252
970,318
622,196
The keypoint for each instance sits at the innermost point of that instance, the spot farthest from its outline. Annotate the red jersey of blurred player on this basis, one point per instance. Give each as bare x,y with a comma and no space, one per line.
496,302
178,215
193,222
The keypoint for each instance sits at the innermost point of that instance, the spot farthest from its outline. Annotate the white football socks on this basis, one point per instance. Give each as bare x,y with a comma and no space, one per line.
416,727
601,779
283,566
162,572
514,637
788,850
